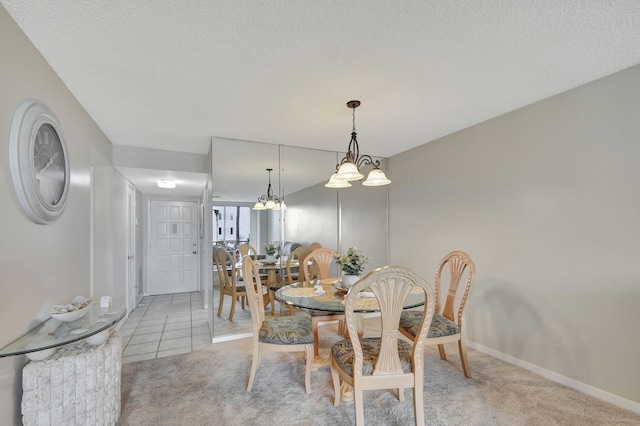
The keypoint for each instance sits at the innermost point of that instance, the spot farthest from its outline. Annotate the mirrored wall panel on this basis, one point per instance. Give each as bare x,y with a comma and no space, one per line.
335,218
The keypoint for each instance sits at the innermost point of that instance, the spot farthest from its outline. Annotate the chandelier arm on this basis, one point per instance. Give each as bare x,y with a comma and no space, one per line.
353,152
366,160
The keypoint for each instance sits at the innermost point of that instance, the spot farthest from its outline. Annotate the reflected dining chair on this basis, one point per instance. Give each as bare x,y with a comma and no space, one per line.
386,361
226,266
444,328
247,250
275,334
291,275
318,266
315,245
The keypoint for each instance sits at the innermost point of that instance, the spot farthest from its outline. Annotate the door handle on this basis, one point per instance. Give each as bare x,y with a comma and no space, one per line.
194,252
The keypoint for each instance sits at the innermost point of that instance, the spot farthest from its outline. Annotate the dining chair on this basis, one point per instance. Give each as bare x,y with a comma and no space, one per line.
291,275
444,328
245,250
275,334
226,266
318,266
248,250
385,361
315,245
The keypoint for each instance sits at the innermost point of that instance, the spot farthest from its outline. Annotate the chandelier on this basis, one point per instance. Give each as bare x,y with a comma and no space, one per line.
348,168
269,201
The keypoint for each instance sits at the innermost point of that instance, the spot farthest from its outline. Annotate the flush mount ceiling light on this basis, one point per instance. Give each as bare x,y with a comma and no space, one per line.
348,168
166,183
269,201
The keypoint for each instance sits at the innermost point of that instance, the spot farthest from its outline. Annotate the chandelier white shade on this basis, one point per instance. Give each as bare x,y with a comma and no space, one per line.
376,178
348,168
337,182
349,171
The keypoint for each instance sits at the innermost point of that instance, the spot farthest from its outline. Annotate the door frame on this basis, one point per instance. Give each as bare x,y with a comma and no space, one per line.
131,264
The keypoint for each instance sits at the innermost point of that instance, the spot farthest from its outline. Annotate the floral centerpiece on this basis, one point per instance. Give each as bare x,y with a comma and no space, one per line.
352,264
271,249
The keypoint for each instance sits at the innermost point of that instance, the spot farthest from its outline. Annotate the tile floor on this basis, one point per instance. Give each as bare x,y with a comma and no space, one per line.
165,325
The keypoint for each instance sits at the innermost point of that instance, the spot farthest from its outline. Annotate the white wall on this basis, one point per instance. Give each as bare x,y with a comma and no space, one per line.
44,264
546,201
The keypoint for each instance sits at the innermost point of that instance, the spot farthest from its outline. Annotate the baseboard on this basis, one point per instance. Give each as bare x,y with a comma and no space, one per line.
230,337
558,378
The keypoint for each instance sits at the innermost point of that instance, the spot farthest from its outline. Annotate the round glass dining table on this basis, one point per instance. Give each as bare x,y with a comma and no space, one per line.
304,295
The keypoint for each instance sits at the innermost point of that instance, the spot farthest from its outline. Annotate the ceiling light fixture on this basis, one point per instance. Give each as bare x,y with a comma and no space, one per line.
166,183
269,201
348,168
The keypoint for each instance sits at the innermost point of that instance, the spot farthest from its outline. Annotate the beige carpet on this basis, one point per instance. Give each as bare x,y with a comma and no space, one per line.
208,387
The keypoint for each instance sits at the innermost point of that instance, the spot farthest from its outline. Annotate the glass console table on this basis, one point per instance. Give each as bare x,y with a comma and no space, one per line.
44,340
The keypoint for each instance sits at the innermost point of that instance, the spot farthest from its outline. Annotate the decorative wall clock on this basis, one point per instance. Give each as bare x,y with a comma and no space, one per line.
38,161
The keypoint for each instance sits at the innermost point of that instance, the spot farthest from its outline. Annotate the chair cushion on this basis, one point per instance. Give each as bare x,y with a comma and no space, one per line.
440,326
240,288
276,286
342,352
292,330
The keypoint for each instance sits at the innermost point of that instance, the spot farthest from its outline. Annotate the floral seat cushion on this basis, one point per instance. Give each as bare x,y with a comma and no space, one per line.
342,352
440,326
291,330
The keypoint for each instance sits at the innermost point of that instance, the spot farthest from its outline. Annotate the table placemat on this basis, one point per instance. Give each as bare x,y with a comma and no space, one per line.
299,292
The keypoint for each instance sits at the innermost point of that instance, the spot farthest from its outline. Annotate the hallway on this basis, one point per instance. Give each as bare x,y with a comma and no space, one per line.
165,325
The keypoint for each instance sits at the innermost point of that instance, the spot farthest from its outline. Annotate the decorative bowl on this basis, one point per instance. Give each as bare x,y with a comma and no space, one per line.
42,354
99,338
73,315
40,341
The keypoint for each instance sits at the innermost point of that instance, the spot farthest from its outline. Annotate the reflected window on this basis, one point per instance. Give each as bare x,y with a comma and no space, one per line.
232,226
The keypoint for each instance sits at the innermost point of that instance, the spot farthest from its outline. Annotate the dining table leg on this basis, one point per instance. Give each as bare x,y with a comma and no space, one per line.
269,296
272,299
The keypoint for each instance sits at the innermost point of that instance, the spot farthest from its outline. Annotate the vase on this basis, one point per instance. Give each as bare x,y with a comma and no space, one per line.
348,280
270,258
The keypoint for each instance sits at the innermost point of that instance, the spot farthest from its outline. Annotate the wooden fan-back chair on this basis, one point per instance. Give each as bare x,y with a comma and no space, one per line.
275,334
386,361
315,245
318,266
446,325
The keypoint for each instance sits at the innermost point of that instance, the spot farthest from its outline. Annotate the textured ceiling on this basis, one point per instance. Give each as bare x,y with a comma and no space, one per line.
172,74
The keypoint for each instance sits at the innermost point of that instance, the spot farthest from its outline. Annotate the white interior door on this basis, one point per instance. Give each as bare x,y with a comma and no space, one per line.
173,259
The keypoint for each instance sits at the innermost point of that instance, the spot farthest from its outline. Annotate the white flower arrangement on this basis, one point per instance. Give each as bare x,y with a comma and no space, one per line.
270,248
353,262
